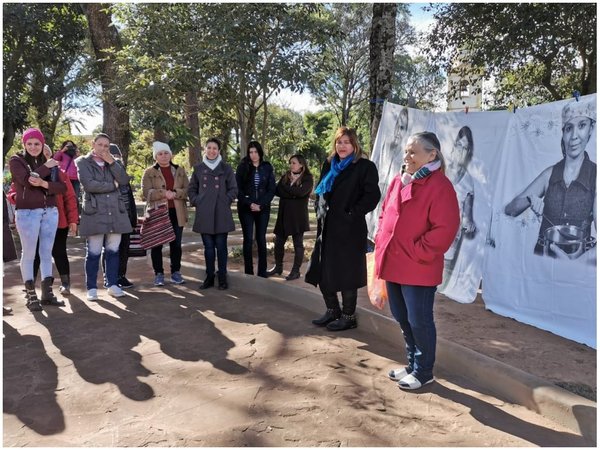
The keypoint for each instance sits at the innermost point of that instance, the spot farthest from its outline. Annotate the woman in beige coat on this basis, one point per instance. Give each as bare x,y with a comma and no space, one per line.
166,182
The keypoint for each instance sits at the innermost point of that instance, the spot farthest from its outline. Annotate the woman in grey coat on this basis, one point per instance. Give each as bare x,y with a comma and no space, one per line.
104,215
212,190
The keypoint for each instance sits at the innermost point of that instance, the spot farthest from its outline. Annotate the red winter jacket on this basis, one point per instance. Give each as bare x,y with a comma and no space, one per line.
66,204
417,224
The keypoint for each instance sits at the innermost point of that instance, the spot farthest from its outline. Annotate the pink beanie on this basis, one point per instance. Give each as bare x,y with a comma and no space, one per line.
30,133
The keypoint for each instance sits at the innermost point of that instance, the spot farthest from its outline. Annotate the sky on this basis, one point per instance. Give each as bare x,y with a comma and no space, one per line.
301,103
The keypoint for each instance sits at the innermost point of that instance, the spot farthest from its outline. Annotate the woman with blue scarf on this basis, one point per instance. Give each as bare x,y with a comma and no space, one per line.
347,190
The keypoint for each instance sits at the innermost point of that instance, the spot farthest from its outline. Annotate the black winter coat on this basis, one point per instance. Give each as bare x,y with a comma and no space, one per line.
338,262
247,193
292,216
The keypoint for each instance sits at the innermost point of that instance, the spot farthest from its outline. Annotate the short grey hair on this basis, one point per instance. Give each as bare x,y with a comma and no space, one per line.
430,143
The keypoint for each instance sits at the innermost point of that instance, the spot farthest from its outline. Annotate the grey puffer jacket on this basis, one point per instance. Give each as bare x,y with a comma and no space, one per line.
103,209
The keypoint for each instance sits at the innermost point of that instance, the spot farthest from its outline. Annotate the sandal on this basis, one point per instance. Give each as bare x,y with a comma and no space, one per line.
398,374
410,382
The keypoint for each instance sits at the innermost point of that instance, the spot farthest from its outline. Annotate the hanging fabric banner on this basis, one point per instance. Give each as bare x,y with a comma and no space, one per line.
526,185
541,269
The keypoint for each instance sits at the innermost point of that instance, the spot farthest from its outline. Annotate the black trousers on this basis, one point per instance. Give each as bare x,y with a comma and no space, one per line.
348,301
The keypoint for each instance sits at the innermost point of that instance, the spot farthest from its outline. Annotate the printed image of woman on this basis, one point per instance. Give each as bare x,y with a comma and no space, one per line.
458,173
563,196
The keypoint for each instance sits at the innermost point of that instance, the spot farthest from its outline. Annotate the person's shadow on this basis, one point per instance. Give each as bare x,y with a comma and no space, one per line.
494,417
100,346
177,324
29,383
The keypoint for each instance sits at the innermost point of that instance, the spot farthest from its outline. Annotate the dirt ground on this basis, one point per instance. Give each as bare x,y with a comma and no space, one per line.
175,366
555,359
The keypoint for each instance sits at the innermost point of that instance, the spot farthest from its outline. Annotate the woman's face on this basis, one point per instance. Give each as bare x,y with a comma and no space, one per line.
163,158
211,150
401,126
415,156
576,134
459,150
34,147
343,147
101,145
295,165
253,154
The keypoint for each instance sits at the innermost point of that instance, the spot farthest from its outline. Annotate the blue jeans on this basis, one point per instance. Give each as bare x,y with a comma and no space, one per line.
174,248
249,221
211,243
110,242
412,307
34,224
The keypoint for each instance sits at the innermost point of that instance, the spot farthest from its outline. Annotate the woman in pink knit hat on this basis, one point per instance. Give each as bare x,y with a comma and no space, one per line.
37,184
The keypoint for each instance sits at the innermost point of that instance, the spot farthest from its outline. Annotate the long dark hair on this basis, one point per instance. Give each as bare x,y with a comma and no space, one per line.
259,149
305,170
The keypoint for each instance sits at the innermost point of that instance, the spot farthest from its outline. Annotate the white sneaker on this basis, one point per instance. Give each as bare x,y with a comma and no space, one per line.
397,374
410,382
116,291
92,294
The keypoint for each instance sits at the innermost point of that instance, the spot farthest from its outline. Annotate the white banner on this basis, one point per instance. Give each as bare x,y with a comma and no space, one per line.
542,269
529,237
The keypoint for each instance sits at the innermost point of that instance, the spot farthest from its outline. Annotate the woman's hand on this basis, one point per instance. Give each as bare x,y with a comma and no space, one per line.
254,207
51,163
170,195
72,229
38,182
537,205
469,226
561,254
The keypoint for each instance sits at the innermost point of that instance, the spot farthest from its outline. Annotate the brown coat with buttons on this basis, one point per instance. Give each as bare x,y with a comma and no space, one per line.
212,192
154,190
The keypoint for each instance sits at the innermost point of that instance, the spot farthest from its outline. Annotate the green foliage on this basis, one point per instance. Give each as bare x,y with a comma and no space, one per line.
43,59
539,52
416,82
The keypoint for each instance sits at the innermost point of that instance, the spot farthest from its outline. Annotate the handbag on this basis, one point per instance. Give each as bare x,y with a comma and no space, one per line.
157,228
375,286
135,247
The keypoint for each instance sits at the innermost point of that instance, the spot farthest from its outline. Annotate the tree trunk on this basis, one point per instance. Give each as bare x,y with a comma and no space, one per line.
192,122
381,58
104,37
8,138
264,124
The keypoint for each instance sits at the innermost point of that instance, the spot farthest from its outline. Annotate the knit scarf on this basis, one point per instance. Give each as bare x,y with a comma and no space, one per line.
423,172
212,163
336,168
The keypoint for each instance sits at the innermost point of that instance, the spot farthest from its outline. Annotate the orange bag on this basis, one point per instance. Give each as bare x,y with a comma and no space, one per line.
375,286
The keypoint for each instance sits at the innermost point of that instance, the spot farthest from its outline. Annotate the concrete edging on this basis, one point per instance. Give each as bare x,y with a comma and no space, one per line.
510,384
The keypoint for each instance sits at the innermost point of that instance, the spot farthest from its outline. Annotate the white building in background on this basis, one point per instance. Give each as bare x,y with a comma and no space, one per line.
464,88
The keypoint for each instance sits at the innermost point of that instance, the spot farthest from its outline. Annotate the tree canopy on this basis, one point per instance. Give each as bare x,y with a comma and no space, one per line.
537,52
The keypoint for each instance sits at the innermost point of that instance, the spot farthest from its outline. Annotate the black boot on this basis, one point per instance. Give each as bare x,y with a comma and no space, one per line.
298,258
33,303
208,282
279,251
48,297
345,322
329,316
277,269
223,282
65,285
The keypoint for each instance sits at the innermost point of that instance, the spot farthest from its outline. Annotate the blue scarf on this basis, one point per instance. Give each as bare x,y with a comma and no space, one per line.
336,168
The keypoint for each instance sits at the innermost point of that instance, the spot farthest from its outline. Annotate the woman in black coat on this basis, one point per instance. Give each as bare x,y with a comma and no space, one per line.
256,189
347,190
293,191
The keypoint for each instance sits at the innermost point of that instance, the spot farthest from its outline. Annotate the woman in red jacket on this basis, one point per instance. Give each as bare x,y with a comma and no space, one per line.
418,222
